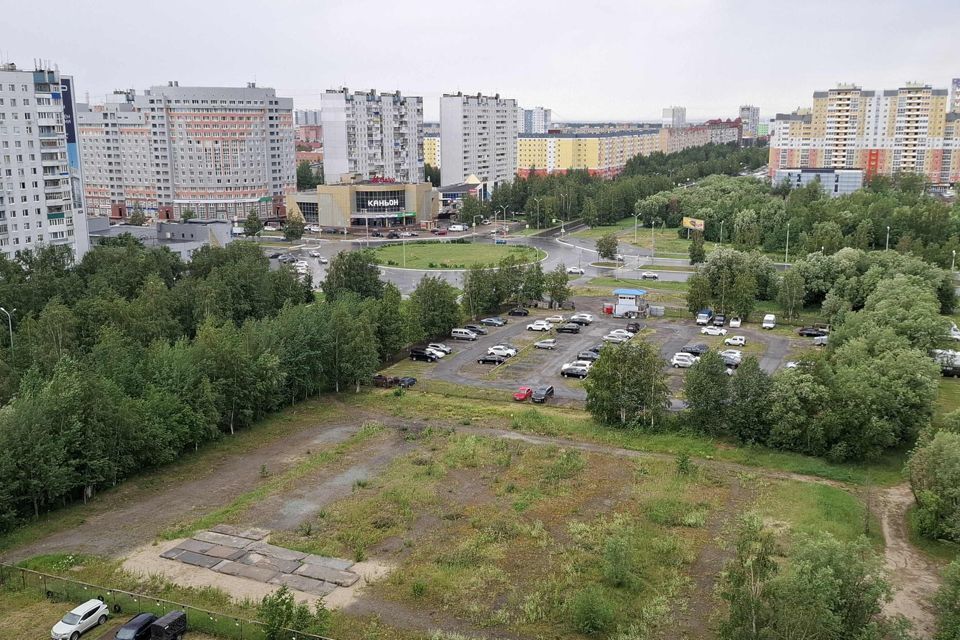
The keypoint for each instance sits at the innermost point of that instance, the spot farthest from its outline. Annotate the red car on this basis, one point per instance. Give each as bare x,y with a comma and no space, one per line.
523,393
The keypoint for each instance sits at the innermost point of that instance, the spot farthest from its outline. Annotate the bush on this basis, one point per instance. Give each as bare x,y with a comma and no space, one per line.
591,611
948,604
618,562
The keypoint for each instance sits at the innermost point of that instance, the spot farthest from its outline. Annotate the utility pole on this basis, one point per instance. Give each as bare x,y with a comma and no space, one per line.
888,238
537,200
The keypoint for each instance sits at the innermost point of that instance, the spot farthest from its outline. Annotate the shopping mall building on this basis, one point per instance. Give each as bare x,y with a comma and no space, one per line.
367,203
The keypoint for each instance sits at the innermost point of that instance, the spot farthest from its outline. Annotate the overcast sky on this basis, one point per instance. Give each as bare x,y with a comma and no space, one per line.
597,60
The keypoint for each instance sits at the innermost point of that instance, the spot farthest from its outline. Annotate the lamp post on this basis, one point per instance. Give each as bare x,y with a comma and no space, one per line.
537,200
503,211
786,255
9,323
888,239
721,233
953,259
653,243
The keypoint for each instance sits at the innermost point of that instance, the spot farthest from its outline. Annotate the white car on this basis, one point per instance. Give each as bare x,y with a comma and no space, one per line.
735,354
436,353
322,260
622,332
614,338
540,325
735,322
313,229
619,257
581,318
554,319
575,271
407,234
713,331
586,364
683,360
549,343
649,275
792,365
769,321
500,350
314,254
90,614
439,346
735,341
301,263
270,227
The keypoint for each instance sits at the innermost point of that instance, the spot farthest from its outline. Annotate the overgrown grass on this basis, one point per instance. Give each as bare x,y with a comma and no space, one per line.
948,398
940,550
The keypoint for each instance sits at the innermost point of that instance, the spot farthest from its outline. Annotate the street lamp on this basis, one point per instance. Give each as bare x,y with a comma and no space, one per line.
786,255
721,233
953,260
888,238
9,323
537,200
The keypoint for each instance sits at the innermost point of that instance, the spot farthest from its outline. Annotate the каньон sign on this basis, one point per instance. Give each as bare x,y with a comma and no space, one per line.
395,202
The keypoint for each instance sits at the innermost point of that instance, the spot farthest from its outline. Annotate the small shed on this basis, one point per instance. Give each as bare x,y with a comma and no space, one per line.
630,303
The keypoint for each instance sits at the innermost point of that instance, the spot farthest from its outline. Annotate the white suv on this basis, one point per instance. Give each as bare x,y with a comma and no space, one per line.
540,325
683,360
500,350
90,614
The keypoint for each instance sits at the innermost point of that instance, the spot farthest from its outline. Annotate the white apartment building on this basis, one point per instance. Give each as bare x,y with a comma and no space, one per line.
750,120
306,117
955,95
478,136
40,199
373,135
675,117
219,152
536,120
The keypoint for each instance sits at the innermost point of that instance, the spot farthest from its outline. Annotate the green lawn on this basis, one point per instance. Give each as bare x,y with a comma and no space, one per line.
949,397
448,255
595,232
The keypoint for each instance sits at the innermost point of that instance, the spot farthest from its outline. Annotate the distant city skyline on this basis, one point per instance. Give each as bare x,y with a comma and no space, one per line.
626,63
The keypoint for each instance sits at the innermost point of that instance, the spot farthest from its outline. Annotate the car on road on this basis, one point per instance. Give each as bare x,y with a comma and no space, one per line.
439,346
409,234
549,343
438,232
376,234
620,257
542,394
811,332
649,275
540,325
518,311
588,356
491,359
495,321
735,341
476,328
523,393
614,338
683,360
314,254
735,322
463,334
81,619
575,271
719,320
136,628
622,332
581,318
570,327
393,235
423,355
557,319
406,382
502,351
695,349
713,331
769,321
457,227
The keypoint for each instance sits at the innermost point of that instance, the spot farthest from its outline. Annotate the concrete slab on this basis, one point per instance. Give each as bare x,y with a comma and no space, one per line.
215,538
254,533
260,574
227,553
198,559
171,554
227,567
307,585
319,572
196,546
276,552
324,561
260,560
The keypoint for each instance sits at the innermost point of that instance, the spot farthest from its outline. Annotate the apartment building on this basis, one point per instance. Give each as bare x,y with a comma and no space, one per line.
833,182
218,152
675,117
955,95
750,120
882,132
431,149
536,120
41,202
307,117
372,135
478,136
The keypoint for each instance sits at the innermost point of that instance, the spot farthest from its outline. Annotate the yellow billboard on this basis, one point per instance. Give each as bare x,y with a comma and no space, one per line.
693,223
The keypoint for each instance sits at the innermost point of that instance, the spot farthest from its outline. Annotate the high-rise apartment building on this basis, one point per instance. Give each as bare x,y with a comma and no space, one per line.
40,199
478,136
675,117
431,149
308,117
219,152
955,95
750,120
373,135
536,120
882,132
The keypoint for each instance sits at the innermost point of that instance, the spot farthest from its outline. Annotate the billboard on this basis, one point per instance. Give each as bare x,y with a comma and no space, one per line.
693,223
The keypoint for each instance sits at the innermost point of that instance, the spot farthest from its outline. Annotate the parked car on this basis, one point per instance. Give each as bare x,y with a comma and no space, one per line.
406,382
575,271
385,382
570,327
502,351
811,332
437,353
713,331
523,393
581,318
171,626
735,341
622,332
634,327
614,338
439,346
491,359
495,321
588,356
577,363
269,227
376,234
820,341
81,619
549,343
542,394
463,334
735,322
137,628
314,254
422,355
954,332
649,275
731,353
322,260
575,371
769,321
704,316
331,230
683,360
457,227
273,255
476,328
731,362
792,364
556,319
540,325
518,311
393,235
719,320
597,348
695,349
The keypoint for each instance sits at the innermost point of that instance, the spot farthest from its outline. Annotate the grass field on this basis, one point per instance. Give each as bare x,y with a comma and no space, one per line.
447,255
949,397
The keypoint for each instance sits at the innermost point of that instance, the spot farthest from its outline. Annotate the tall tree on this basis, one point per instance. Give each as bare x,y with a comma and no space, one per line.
744,583
557,287
792,293
748,417
353,271
187,215
697,252
698,292
432,174
627,385
137,217
607,246
252,224
391,332
534,283
743,296
707,392
306,178
434,304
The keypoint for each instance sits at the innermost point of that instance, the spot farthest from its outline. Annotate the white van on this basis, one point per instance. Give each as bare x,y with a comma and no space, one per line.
769,321
457,227
463,334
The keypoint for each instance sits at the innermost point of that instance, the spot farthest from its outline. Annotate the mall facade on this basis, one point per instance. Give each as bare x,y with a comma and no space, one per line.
370,204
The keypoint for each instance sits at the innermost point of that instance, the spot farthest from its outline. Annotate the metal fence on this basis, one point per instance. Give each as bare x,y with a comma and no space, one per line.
124,603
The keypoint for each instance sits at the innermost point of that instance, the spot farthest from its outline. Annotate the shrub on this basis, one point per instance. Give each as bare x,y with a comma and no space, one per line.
591,611
618,562
948,604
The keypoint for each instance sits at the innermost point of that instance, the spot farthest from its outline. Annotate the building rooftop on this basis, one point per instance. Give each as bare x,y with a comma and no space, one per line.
629,292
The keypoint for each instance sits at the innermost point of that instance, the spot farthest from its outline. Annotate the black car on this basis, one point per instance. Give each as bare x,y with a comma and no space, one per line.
330,230
718,320
137,628
634,327
376,234
422,354
393,235
570,327
406,382
518,311
495,321
540,394
597,347
171,626
695,349
589,356
575,372
476,328
274,255
811,332
491,359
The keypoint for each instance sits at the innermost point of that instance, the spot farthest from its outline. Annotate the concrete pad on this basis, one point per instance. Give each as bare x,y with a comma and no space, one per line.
228,567
198,559
227,553
276,552
260,574
260,560
196,546
333,563
302,583
319,572
251,533
171,554
215,538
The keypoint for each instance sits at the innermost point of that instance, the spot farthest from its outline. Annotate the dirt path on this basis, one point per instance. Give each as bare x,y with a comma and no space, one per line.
914,577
